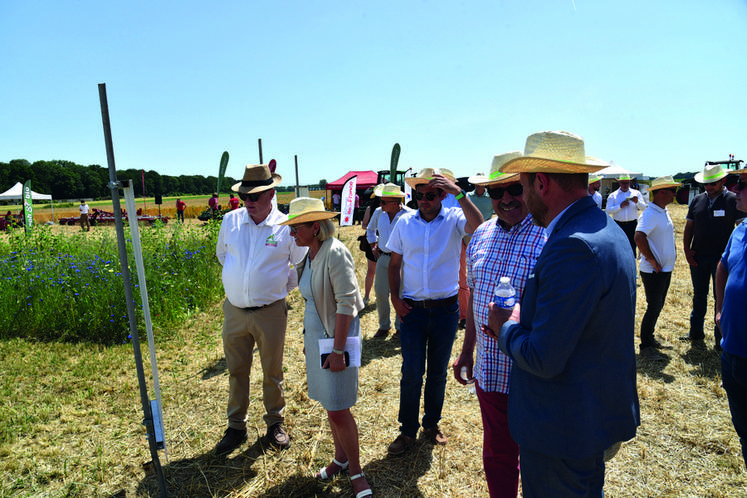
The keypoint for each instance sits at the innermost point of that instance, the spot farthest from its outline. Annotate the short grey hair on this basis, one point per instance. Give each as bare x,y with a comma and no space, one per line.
326,230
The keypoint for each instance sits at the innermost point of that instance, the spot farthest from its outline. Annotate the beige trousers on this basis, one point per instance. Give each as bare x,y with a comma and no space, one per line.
242,331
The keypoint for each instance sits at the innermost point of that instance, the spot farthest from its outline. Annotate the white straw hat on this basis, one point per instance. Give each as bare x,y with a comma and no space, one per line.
496,176
306,209
711,173
553,152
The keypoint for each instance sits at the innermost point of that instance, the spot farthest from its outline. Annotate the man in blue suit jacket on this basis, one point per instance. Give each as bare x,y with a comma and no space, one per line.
573,384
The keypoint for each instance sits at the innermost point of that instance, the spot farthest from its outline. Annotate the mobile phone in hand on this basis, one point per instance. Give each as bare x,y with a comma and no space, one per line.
325,355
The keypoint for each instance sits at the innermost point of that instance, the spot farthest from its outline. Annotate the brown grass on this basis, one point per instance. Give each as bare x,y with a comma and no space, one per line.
92,444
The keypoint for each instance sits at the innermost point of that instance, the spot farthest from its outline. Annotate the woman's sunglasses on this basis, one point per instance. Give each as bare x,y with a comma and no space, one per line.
514,189
251,197
431,196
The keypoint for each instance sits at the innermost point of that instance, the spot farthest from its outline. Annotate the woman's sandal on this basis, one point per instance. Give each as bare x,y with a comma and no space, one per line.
365,492
322,474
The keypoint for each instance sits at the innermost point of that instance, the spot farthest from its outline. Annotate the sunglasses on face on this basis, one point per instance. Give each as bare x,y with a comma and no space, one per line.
294,228
250,197
388,201
431,196
514,189
711,184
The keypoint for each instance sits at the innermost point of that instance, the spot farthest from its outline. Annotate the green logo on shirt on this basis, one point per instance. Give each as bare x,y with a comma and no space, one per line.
271,241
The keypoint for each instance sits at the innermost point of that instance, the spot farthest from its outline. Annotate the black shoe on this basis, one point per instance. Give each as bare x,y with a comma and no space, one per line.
277,436
232,439
650,354
462,324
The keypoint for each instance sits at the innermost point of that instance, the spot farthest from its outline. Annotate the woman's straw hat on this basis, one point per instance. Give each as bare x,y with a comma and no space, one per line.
306,209
553,152
663,182
496,176
257,178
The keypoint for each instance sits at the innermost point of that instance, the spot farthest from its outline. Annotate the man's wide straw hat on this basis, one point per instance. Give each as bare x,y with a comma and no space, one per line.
496,177
553,152
306,209
257,178
426,174
712,173
388,190
663,182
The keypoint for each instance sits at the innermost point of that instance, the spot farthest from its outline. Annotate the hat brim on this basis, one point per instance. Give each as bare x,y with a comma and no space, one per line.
487,181
385,195
310,216
699,177
528,164
414,181
276,179
737,171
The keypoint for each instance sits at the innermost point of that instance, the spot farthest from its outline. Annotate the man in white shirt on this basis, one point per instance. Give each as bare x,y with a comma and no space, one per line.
595,182
655,239
623,205
256,253
84,223
390,210
425,246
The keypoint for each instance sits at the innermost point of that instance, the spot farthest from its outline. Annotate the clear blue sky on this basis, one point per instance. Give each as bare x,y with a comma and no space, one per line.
656,86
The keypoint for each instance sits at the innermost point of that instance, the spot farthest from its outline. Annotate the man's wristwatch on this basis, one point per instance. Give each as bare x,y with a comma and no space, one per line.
337,351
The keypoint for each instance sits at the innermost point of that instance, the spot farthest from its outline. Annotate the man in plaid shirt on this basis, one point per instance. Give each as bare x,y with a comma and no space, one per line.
507,246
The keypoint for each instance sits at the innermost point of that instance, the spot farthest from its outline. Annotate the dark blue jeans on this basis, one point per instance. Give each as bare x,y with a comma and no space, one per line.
543,476
702,276
426,336
656,286
734,379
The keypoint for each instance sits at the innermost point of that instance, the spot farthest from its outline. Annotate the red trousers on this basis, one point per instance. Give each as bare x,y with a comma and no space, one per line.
500,454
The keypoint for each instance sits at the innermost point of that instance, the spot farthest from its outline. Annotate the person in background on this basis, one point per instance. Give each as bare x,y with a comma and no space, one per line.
180,207
327,281
711,217
595,183
370,216
573,380
623,205
505,247
256,253
233,202
378,233
731,296
213,203
356,208
336,201
480,197
424,270
84,224
654,237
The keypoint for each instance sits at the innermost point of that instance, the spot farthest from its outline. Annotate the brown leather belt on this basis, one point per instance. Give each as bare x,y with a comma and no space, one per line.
432,303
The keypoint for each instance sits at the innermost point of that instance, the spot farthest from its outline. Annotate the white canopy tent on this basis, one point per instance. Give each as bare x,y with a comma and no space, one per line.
615,170
16,192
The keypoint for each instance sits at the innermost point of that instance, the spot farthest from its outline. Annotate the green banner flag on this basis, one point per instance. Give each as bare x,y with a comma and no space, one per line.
28,206
222,170
395,160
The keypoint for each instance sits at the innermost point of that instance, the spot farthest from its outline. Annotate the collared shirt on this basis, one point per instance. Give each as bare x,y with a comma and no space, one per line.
495,252
256,259
382,224
713,221
656,223
482,202
430,253
597,198
629,212
83,209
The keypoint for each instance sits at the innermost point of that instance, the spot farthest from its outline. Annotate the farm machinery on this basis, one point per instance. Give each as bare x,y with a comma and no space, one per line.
101,217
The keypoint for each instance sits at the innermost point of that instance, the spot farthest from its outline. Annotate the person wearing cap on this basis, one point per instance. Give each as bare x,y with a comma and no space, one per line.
731,295
623,205
711,217
256,252
654,237
378,231
424,270
573,380
595,183
507,246
327,281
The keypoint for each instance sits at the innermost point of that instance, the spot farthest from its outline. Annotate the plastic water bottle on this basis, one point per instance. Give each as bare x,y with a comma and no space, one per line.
505,294
470,382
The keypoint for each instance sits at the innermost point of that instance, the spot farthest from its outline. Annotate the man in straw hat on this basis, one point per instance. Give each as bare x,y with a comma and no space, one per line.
424,270
507,246
731,294
654,237
710,220
378,231
623,205
573,382
256,253
595,183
